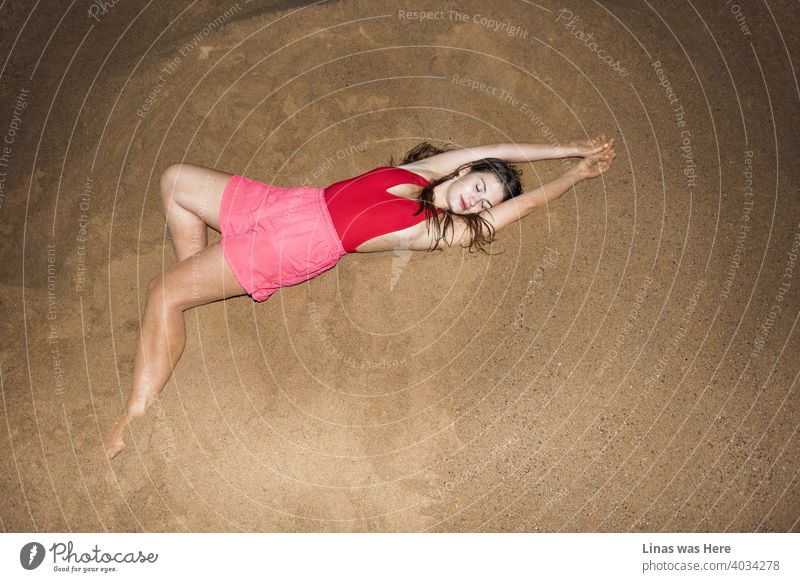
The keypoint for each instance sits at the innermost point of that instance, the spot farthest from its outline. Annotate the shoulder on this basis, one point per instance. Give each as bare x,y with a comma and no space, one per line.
422,169
424,236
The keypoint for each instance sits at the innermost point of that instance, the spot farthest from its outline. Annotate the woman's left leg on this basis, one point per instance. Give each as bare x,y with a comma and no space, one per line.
198,279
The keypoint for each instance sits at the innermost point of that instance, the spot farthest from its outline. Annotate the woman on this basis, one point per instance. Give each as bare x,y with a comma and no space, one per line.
273,237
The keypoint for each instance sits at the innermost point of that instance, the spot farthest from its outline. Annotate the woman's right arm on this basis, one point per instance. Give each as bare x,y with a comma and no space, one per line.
448,161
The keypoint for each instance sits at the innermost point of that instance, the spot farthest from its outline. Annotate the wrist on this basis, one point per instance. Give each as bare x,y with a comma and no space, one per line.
571,150
576,174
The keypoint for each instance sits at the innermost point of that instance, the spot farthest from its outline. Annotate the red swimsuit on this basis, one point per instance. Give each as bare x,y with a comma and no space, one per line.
362,209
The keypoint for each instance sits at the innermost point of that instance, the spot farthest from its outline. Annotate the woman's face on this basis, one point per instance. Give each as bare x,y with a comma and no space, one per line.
474,192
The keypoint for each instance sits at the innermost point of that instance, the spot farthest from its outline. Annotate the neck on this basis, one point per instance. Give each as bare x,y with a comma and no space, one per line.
438,196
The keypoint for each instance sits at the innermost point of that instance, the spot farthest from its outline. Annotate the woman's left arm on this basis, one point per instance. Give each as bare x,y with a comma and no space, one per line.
521,206
514,209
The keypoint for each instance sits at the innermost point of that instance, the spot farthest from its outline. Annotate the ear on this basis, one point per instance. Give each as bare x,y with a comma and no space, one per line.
464,170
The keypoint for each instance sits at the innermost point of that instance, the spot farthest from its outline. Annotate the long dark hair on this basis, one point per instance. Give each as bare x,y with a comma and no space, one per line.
443,224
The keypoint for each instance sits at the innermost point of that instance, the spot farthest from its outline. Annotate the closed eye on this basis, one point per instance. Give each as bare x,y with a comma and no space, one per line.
488,204
485,204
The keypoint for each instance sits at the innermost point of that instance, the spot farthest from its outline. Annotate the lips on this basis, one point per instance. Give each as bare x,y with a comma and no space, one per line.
463,204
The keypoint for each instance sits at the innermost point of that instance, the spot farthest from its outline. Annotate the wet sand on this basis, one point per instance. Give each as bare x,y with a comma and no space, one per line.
627,360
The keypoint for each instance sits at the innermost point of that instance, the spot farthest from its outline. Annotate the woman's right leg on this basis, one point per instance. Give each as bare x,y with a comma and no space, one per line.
191,196
199,279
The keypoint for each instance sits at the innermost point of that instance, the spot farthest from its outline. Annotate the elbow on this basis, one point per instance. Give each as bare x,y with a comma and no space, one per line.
531,204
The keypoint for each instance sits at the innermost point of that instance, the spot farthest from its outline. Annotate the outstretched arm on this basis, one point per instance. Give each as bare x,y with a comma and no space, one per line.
516,208
532,152
450,160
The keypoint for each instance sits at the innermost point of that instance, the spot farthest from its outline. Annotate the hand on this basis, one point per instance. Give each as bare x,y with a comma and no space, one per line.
596,164
590,147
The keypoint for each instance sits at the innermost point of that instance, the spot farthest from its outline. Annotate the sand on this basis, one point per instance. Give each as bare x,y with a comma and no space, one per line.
627,359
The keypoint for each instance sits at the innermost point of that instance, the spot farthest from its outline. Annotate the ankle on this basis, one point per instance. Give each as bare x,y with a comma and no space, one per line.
135,410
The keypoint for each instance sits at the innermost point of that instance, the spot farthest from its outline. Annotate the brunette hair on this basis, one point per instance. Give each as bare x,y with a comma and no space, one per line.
443,223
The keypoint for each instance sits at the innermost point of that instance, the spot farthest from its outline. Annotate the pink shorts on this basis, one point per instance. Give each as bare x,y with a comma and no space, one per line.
273,237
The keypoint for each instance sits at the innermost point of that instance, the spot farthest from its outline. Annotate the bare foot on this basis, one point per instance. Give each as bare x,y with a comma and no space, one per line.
592,146
116,444
594,165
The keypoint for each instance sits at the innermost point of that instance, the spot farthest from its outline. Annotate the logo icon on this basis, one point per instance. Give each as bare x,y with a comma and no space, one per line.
31,555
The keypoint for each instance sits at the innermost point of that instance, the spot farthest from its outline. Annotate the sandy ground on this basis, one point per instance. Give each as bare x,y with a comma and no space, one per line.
626,361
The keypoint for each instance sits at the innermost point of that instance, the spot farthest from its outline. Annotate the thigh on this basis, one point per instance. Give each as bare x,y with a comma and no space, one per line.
199,279
195,188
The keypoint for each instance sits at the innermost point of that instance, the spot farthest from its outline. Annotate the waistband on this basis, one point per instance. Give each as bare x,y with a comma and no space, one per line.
319,195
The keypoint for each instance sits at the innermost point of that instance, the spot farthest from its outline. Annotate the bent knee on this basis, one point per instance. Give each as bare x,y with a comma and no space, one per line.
169,179
155,282
166,295
159,293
